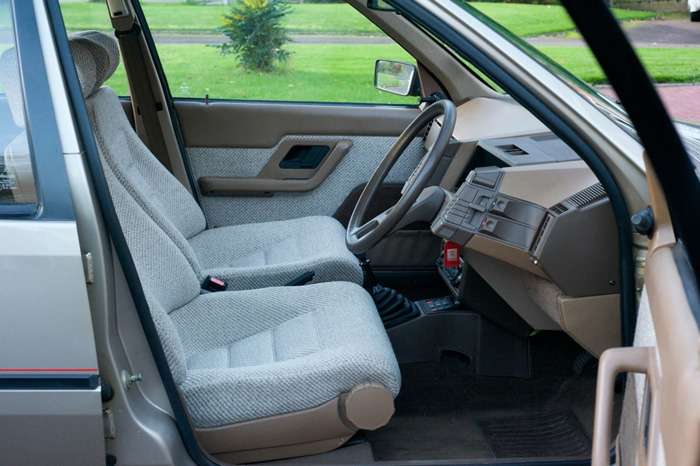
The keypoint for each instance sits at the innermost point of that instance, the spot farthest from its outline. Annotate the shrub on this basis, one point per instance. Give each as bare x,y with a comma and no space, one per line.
256,33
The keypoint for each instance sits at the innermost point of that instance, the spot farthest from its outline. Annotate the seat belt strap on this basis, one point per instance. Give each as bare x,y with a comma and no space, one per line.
142,97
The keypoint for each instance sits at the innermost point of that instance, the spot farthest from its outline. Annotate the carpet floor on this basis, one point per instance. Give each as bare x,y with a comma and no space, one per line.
442,410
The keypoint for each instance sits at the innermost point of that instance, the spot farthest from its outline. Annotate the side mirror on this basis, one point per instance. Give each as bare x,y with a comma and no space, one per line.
379,5
396,77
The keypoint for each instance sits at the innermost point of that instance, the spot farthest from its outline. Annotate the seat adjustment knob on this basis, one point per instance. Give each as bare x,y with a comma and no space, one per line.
367,406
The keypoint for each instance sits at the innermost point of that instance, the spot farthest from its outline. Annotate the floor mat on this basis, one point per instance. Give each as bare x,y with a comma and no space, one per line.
440,403
556,434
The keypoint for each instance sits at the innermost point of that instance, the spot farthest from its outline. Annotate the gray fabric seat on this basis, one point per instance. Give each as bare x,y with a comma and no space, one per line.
251,354
245,256
236,355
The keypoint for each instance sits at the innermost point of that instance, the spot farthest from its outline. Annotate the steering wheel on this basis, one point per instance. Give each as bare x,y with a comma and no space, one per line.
360,238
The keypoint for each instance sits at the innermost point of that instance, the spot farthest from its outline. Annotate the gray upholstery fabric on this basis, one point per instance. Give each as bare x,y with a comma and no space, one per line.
246,256
96,56
249,256
165,274
354,170
250,356
239,355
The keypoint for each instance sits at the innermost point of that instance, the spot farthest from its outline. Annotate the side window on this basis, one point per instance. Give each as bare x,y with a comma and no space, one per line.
18,194
87,15
327,52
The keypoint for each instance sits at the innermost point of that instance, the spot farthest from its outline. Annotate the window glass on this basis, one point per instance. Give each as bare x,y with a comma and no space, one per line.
331,50
17,188
84,15
330,53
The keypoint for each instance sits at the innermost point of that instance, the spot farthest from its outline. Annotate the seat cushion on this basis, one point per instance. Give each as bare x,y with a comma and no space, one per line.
258,255
258,353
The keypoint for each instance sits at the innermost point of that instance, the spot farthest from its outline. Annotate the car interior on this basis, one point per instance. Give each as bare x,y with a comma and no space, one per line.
356,283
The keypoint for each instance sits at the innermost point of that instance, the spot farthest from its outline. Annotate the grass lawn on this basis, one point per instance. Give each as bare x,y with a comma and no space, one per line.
304,19
664,65
529,20
521,19
316,72
344,72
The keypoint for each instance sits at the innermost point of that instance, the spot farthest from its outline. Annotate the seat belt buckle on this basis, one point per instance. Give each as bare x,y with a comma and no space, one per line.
213,284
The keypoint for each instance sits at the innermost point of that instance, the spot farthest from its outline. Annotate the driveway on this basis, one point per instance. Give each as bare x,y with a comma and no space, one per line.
675,33
681,101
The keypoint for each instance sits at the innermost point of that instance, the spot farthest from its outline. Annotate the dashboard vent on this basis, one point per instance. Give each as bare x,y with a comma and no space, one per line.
541,234
559,209
588,196
512,149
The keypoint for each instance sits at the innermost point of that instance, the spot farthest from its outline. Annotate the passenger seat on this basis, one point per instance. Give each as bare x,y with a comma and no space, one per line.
245,256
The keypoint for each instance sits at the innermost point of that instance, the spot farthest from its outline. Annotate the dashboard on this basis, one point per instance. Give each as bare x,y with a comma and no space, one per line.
536,224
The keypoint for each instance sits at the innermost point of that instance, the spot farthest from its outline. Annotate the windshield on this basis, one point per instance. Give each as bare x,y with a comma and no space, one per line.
605,103
689,131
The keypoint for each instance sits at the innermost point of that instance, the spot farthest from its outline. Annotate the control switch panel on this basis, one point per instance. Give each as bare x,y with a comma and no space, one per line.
477,208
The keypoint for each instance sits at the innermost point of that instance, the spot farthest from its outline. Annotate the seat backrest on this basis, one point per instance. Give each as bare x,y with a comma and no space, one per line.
155,190
167,279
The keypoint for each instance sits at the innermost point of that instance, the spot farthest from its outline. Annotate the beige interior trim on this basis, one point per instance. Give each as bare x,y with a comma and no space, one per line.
547,184
272,178
263,124
663,229
672,368
510,284
164,118
120,14
247,441
614,361
593,321
506,253
311,431
428,84
484,118
368,406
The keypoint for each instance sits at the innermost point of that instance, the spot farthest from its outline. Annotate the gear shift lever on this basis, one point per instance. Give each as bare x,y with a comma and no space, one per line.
393,307
367,268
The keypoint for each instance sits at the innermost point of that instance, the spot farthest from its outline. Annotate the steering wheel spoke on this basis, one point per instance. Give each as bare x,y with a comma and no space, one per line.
360,238
373,224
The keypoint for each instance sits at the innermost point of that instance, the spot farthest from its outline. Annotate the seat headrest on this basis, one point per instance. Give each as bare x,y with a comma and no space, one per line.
11,83
96,56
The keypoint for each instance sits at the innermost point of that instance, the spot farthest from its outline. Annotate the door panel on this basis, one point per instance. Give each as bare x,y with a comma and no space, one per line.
239,140
663,422
262,125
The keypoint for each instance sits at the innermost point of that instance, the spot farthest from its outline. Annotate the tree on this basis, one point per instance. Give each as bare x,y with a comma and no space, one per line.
256,34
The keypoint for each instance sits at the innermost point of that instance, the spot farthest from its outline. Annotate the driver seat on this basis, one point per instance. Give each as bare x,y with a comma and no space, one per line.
248,256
